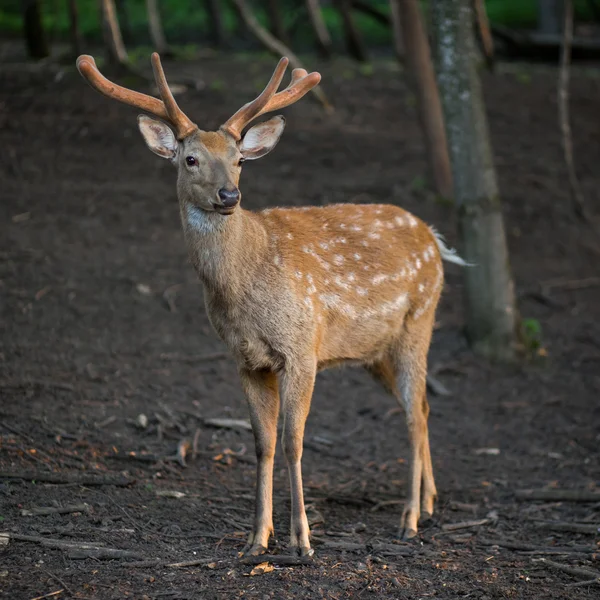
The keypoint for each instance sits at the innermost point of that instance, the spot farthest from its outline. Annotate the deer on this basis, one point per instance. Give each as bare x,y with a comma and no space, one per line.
292,291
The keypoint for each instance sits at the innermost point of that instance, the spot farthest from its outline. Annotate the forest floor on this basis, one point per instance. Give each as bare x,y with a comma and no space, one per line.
103,321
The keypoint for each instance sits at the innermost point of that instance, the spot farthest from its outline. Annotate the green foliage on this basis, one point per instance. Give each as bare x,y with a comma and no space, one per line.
186,22
531,336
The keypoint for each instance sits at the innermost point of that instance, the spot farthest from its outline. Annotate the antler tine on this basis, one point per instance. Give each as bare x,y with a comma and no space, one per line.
299,86
251,110
86,65
183,125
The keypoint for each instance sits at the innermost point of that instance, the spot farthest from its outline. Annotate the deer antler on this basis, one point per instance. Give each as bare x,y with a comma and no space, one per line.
165,109
269,100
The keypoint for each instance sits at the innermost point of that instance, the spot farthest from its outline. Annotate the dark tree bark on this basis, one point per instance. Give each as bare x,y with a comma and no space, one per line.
123,18
318,23
484,31
117,54
33,30
550,16
397,30
489,291
216,27
74,29
276,20
563,111
354,43
420,66
157,33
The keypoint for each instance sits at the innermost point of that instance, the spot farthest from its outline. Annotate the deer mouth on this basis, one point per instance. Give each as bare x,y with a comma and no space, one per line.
225,210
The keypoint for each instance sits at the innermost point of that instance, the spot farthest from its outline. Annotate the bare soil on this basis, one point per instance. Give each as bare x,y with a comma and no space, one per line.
103,320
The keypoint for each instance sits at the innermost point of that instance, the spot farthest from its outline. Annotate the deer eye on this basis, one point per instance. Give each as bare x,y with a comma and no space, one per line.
191,161
241,161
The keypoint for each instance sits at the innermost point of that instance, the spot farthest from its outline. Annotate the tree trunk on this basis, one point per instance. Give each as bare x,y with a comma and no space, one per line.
485,33
490,300
216,27
563,110
156,29
397,30
550,16
276,21
316,18
123,18
74,29
275,46
420,66
354,42
35,37
117,54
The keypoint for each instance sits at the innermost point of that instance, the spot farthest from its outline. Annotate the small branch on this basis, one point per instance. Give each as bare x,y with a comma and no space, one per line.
465,524
575,571
558,495
229,423
53,510
387,549
563,110
522,546
485,34
566,526
49,595
88,480
276,559
276,47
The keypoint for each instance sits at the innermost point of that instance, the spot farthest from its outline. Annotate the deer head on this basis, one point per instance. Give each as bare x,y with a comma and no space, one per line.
208,162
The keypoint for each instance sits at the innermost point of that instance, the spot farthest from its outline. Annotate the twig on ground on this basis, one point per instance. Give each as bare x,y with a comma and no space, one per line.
277,559
59,385
69,478
513,545
558,495
385,503
575,571
229,423
380,548
465,524
53,576
74,549
54,510
584,583
566,526
49,595
107,421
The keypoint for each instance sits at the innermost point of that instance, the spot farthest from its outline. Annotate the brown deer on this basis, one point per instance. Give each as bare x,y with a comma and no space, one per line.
292,291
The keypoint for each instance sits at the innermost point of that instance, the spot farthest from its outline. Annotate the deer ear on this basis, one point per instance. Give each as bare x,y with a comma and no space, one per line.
262,138
158,137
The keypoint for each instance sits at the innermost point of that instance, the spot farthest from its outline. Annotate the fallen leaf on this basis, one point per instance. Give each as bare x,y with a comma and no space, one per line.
262,569
170,494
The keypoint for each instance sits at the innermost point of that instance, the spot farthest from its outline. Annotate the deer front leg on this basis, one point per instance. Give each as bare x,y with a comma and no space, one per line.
263,401
297,387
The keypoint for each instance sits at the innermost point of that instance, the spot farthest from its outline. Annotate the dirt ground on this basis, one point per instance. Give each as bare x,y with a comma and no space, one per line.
103,321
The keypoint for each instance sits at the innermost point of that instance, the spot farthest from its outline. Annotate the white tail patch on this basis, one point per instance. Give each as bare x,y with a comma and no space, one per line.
448,254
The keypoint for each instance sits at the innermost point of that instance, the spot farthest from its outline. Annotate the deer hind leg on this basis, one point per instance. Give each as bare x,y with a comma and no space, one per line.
263,401
412,368
385,371
297,385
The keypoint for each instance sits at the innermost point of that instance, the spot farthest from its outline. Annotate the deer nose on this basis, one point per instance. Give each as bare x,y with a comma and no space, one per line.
229,198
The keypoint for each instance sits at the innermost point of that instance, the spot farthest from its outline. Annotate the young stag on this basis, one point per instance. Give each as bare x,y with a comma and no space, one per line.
293,291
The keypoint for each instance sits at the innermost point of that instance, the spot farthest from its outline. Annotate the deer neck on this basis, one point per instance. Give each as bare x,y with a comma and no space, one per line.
225,250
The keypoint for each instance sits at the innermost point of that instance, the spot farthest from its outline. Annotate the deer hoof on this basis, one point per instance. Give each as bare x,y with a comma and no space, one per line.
408,534
301,551
254,550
